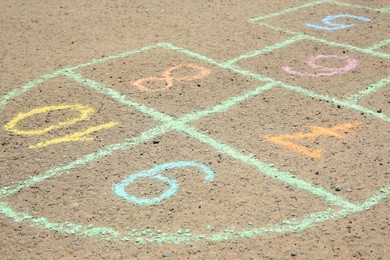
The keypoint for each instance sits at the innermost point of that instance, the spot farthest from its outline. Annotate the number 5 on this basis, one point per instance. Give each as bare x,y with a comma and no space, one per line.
335,26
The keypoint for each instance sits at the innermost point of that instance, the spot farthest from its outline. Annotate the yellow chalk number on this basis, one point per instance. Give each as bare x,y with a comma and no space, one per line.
84,111
11,125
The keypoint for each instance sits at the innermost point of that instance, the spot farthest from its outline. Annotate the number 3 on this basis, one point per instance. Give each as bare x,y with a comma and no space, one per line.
335,26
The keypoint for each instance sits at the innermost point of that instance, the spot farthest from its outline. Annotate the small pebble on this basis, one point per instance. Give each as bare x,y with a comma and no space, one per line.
166,254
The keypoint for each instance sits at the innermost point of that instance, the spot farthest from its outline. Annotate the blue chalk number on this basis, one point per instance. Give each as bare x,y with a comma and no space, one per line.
335,26
154,173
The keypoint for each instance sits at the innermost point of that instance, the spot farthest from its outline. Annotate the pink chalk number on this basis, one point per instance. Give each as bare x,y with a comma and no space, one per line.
350,64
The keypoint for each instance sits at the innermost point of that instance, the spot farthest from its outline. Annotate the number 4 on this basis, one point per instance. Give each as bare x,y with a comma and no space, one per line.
335,26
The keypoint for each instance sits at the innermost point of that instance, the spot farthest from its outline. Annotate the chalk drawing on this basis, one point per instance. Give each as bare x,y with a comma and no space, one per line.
75,137
335,26
180,125
351,64
369,51
85,111
286,140
154,173
169,79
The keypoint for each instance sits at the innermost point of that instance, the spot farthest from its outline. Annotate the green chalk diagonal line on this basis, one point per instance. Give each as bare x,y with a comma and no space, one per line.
381,10
297,89
146,236
20,90
123,99
67,72
379,45
180,126
288,10
338,102
265,50
190,53
372,88
346,46
226,104
295,8
112,57
351,47
265,169
144,137
170,123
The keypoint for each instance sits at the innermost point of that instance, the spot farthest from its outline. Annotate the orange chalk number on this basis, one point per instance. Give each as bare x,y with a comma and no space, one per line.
288,140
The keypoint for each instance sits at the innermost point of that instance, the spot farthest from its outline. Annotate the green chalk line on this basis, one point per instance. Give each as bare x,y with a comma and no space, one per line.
112,57
265,50
297,89
288,10
346,46
144,137
20,90
178,125
379,45
226,104
147,236
264,168
351,47
381,10
295,8
197,115
372,88
220,107
169,46
336,101
123,99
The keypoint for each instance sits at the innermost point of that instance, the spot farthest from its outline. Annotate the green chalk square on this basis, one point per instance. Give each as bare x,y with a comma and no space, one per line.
239,197
25,161
363,34
121,74
367,71
354,167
